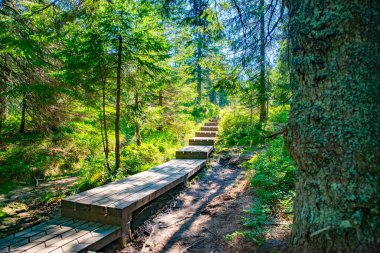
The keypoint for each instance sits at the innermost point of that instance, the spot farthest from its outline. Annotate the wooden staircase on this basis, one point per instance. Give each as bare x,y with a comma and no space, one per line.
94,218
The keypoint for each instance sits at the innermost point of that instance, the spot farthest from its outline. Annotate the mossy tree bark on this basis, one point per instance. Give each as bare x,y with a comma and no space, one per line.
333,130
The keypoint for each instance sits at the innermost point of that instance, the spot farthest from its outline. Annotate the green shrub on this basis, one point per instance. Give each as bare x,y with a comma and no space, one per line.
239,130
204,111
136,159
273,182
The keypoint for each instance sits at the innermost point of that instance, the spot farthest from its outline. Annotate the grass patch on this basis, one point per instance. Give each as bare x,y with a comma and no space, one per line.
271,171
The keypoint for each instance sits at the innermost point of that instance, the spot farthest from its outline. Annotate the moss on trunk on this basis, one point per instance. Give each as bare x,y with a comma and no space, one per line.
333,131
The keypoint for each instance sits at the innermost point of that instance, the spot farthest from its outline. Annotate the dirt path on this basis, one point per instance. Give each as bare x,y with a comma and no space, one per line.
199,217
30,205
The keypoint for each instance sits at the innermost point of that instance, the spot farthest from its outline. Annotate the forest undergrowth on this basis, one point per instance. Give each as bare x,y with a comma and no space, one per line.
75,150
270,169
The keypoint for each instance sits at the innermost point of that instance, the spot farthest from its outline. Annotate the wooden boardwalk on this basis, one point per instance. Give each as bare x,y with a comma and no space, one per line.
94,218
61,235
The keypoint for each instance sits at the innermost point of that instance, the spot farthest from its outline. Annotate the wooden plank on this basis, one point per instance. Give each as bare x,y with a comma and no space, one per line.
107,213
194,152
206,134
49,233
136,179
209,128
203,141
161,172
211,123
116,192
98,233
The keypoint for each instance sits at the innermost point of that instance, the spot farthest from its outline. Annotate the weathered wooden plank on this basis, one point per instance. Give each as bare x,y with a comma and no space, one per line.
206,134
107,213
202,141
194,152
54,233
211,123
138,179
97,233
209,128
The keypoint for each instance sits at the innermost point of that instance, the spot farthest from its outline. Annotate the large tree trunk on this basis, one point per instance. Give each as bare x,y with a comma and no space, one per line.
263,91
333,130
118,94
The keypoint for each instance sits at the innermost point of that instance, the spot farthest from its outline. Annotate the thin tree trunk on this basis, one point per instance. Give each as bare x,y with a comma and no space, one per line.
137,125
198,70
333,130
160,98
161,104
263,96
199,75
4,97
118,95
106,146
23,115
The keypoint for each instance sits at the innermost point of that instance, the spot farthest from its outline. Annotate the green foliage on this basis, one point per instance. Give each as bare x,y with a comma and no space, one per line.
3,215
273,182
239,129
271,172
136,159
204,111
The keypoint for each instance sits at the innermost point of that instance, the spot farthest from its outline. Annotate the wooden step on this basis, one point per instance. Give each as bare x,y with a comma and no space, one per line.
114,203
206,134
61,235
202,141
211,124
209,128
194,152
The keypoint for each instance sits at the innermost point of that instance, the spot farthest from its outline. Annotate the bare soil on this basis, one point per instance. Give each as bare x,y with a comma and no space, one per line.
199,217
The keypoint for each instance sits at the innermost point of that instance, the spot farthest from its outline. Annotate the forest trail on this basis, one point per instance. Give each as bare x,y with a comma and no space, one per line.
199,217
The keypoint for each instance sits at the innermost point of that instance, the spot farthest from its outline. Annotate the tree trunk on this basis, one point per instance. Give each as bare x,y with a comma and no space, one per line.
263,91
23,115
4,97
198,68
118,93
160,99
106,146
333,131
137,125
199,72
161,104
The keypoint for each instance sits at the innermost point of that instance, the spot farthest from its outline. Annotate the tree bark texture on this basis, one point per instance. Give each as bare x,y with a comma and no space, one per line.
118,94
333,130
